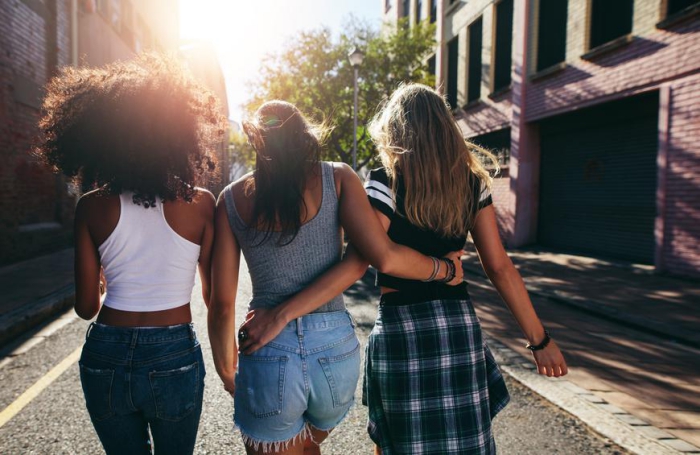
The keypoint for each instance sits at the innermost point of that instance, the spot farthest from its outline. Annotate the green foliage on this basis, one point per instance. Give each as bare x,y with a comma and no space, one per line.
313,73
240,151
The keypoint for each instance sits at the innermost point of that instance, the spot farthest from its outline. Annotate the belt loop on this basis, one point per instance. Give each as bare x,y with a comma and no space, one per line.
89,329
300,326
134,337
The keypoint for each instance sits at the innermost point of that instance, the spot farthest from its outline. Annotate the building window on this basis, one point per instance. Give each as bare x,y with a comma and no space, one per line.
432,65
551,33
387,6
504,45
419,11
452,65
474,35
676,6
610,20
406,8
433,11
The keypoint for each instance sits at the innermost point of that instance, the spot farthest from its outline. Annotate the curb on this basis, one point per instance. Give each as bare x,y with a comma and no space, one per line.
622,428
640,323
30,315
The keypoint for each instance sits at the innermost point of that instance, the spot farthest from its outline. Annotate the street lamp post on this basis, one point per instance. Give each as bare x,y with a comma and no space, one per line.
355,57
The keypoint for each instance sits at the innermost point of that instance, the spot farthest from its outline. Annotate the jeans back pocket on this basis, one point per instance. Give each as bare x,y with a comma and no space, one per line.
342,372
260,384
97,388
175,391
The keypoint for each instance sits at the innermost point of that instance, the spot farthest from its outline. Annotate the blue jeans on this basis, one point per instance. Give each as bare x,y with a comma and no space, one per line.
306,377
136,378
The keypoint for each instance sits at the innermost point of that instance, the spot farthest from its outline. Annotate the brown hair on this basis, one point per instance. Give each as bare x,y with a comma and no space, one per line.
287,148
418,138
142,125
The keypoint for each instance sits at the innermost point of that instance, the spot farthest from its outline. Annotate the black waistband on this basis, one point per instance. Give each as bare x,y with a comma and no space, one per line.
458,292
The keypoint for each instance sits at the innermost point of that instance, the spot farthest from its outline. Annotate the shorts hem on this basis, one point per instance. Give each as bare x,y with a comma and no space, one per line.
274,446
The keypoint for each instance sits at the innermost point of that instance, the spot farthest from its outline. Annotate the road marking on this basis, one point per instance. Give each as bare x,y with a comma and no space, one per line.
34,391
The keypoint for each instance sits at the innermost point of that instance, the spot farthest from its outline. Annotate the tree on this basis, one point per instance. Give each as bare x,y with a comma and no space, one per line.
313,73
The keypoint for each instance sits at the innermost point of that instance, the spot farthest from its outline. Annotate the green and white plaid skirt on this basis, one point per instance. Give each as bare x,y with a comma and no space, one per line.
431,384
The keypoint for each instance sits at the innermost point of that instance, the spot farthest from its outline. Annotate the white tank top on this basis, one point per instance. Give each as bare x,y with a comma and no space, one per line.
148,266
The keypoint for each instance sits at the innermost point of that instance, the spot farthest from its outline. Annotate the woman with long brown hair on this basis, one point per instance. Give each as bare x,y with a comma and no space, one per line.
299,362
432,385
141,134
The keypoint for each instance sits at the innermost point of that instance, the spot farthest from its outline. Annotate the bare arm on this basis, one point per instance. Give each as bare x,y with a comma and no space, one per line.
221,318
371,239
87,265
208,206
263,325
510,286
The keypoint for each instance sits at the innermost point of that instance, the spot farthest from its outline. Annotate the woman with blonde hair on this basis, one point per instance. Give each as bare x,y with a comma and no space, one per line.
299,363
431,383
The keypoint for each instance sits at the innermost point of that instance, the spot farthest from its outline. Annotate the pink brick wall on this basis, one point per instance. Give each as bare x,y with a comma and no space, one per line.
646,62
503,201
486,116
681,239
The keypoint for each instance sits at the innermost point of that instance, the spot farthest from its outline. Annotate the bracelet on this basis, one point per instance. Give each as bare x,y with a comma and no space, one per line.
542,345
436,269
451,271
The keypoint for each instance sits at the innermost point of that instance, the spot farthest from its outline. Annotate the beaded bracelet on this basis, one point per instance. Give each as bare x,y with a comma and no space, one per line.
451,271
543,344
436,269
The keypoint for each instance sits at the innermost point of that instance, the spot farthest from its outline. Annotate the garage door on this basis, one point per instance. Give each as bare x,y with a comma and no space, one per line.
598,180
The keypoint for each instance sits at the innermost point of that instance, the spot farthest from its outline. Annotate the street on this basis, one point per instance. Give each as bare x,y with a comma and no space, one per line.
56,422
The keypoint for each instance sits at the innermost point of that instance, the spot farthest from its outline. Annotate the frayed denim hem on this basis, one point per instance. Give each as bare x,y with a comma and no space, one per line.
275,446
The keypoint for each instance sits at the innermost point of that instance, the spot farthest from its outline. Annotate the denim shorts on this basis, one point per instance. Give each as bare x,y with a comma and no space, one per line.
306,377
140,378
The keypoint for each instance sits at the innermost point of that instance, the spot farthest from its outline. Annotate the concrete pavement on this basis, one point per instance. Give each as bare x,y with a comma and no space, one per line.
630,338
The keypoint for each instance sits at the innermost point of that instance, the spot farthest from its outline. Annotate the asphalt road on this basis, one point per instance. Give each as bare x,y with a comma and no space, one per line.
56,422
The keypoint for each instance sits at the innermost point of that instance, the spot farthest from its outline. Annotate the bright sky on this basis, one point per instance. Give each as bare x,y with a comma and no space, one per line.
243,31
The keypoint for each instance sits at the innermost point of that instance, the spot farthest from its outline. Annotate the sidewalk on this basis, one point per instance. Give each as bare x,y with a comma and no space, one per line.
631,338
34,290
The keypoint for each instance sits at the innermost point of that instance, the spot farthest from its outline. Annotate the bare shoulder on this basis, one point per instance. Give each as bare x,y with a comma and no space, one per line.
239,186
343,171
204,199
95,203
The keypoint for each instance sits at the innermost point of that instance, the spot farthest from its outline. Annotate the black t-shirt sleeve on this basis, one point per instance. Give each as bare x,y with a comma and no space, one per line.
379,192
485,198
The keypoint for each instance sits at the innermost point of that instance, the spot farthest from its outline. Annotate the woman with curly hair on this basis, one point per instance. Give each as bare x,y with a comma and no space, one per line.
431,383
299,363
140,133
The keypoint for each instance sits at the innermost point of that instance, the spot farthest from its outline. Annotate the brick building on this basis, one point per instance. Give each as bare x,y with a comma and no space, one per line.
36,38
594,108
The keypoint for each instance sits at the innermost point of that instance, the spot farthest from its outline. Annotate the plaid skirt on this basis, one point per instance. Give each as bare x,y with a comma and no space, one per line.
431,384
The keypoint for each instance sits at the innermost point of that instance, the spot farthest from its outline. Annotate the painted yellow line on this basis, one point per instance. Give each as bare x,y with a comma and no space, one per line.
34,391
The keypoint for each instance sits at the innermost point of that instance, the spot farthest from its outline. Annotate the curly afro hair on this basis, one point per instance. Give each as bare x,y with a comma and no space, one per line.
143,125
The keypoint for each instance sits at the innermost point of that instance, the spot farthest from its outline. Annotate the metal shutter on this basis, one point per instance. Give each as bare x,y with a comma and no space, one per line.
598,179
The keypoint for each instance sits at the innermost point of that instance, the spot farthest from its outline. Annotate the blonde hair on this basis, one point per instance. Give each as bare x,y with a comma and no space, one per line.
418,138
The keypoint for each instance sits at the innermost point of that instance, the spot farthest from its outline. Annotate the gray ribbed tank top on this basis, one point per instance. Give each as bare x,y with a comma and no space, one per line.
279,271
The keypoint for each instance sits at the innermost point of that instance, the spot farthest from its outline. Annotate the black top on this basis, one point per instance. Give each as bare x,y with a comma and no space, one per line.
428,242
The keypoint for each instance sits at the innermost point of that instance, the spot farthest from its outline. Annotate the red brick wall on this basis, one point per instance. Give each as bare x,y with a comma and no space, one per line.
30,193
681,239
